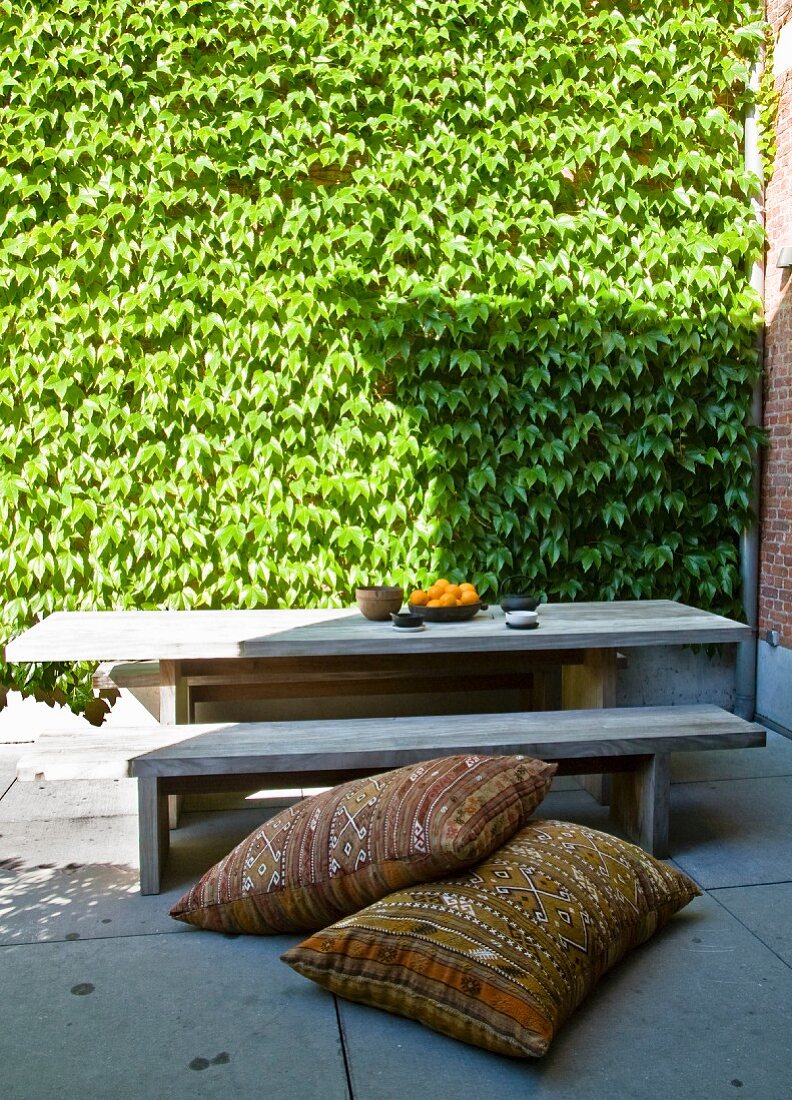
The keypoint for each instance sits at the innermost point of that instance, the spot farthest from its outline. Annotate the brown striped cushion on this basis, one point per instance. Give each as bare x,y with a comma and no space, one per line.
500,956
330,855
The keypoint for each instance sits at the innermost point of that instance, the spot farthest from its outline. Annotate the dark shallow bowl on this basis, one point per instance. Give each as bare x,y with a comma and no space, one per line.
406,619
448,614
519,603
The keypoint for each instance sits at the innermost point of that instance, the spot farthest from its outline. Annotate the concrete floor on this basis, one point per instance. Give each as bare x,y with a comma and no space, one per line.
104,996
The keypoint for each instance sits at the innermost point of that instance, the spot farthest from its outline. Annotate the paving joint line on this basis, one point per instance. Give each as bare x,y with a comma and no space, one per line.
728,779
753,885
344,1052
750,931
93,939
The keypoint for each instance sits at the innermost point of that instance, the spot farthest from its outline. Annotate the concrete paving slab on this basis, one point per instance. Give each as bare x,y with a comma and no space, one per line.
733,832
98,901
158,1016
723,833
200,838
105,797
774,759
64,841
574,804
34,801
565,783
78,879
764,910
699,1012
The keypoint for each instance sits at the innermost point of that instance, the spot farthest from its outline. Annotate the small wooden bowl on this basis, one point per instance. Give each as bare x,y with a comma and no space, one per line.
377,601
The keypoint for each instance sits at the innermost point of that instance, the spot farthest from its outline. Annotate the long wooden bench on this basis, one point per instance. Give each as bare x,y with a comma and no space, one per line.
632,743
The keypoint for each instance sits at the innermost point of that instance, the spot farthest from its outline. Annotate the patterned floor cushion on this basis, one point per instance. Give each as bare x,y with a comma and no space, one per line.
500,956
332,854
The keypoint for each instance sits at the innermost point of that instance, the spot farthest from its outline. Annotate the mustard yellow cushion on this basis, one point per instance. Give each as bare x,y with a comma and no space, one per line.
332,854
500,956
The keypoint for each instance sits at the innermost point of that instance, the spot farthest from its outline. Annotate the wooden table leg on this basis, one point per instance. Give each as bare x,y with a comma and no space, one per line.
539,691
174,710
640,803
591,686
152,833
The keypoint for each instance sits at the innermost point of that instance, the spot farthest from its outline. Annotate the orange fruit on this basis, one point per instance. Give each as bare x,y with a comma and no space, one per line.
419,597
447,601
453,590
468,598
442,584
434,603
466,586
434,593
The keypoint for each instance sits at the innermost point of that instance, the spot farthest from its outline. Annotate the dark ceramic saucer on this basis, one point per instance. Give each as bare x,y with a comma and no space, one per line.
405,620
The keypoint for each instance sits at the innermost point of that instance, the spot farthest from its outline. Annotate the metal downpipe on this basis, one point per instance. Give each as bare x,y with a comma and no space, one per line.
745,672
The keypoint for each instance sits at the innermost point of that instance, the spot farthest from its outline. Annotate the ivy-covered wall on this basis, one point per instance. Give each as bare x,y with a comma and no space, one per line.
298,296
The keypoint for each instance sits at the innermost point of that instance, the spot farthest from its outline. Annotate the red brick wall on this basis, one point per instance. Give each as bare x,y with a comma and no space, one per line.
775,582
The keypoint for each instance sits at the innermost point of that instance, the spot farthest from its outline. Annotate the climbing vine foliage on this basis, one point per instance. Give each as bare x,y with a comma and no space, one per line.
299,296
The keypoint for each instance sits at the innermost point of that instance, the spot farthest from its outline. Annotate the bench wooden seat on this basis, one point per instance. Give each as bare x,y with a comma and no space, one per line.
632,743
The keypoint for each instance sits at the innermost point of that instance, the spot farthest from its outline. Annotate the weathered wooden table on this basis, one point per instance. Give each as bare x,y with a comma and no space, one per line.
276,653
230,651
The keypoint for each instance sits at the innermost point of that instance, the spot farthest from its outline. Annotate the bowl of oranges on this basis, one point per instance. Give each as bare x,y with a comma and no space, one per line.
445,602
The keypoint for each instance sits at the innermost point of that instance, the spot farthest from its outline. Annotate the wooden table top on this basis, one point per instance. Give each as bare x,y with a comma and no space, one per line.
201,635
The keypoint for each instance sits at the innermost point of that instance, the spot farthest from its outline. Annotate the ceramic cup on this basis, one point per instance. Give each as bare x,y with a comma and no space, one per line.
521,618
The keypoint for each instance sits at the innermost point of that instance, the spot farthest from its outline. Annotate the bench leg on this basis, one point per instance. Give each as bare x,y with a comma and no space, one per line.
640,803
174,810
175,709
153,833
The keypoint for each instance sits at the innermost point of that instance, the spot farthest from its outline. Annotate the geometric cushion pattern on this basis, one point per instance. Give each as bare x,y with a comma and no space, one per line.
500,956
331,854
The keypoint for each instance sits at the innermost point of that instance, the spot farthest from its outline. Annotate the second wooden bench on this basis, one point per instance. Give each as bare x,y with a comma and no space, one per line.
632,743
